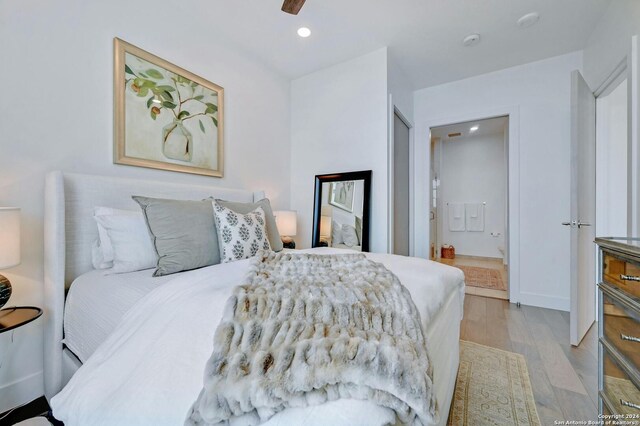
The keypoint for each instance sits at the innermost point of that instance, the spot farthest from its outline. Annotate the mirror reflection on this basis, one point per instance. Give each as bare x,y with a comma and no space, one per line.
341,216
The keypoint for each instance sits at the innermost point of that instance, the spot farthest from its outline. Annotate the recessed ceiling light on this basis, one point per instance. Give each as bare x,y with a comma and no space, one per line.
304,32
474,128
528,20
471,40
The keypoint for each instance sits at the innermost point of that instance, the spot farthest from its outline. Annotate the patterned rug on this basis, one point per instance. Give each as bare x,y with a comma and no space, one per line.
476,276
492,388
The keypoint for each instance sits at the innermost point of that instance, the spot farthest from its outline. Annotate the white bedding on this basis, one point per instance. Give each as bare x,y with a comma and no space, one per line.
97,301
135,378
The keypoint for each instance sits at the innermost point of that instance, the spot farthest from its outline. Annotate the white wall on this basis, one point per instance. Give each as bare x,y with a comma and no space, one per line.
339,124
540,92
56,113
611,163
400,88
474,171
610,40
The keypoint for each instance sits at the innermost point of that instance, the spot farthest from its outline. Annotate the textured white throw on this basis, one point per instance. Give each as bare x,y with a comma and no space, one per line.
305,329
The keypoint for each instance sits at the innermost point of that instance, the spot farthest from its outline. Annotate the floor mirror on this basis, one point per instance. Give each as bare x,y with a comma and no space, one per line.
341,210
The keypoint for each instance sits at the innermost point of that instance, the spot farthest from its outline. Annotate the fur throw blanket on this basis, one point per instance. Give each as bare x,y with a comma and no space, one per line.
305,329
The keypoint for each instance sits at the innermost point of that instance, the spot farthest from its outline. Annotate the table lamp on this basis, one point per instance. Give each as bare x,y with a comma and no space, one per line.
287,227
325,229
9,247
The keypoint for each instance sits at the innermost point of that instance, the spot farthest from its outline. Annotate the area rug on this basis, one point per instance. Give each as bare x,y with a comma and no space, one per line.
492,388
477,276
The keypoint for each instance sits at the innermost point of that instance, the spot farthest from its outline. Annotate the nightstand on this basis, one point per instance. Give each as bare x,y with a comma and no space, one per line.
11,318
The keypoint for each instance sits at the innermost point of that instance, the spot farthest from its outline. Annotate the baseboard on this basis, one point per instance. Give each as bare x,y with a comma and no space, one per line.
21,391
544,301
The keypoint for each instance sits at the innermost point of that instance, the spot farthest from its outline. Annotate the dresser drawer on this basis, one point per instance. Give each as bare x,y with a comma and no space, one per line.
621,273
621,328
618,387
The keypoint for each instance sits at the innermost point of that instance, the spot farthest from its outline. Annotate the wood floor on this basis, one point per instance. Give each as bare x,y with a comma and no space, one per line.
563,378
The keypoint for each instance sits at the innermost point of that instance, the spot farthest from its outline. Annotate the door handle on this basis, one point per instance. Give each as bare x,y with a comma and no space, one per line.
580,224
573,223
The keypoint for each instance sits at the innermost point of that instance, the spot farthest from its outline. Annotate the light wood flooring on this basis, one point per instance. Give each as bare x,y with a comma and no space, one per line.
482,262
563,378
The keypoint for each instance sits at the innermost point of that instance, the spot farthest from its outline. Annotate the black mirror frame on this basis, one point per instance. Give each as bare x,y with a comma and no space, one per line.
364,175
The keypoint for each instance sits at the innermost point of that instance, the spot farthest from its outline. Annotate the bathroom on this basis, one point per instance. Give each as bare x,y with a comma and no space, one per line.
469,202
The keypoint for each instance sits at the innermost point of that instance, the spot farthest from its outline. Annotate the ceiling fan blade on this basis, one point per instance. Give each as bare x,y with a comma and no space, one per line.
292,6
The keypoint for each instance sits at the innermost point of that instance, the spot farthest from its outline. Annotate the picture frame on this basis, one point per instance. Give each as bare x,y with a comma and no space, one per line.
341,195
165,117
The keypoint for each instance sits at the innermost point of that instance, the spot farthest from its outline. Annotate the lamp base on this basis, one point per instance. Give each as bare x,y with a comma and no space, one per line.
5,290
288,243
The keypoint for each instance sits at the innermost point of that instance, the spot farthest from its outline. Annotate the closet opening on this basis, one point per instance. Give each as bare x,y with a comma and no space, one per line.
469,202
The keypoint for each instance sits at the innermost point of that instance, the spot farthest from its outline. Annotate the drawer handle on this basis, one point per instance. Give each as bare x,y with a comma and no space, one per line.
629,404
629,338
629,277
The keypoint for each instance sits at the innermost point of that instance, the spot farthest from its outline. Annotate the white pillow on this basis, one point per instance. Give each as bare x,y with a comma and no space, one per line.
102,250
350,236
240,236
131,243
336,233
97,256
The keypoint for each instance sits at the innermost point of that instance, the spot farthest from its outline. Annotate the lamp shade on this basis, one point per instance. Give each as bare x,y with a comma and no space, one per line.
286,222
9,237
325,226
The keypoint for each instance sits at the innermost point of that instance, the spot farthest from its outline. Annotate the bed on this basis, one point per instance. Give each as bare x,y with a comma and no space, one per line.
111,333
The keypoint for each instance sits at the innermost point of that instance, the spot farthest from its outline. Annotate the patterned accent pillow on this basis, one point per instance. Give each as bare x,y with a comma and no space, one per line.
240,236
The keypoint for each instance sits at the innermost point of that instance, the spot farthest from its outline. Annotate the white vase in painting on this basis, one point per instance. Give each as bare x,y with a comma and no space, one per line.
177,142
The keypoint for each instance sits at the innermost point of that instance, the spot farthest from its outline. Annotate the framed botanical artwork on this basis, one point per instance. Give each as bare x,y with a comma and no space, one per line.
341,195
165,116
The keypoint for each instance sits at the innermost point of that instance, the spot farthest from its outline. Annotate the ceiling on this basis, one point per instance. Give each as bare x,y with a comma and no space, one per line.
424,36
489,126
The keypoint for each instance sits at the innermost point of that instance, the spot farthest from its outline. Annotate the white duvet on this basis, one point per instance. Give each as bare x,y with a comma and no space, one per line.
150,369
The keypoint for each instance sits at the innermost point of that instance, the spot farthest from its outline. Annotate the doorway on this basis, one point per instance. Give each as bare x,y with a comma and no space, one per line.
401,186
612,162
468,206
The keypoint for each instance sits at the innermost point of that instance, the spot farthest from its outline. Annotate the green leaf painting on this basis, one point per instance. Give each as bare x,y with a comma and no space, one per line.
165,116
165,92
169,116
154,74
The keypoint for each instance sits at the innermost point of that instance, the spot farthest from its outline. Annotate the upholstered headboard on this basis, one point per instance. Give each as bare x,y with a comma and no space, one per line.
69,231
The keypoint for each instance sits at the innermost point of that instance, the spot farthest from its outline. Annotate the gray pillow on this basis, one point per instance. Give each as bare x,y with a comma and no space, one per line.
349,236
272,228
183,233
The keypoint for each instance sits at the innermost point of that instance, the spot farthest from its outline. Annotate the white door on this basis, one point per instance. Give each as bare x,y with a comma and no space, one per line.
583,208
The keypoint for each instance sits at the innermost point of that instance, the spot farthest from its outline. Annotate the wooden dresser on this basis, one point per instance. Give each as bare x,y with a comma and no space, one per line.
619,326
